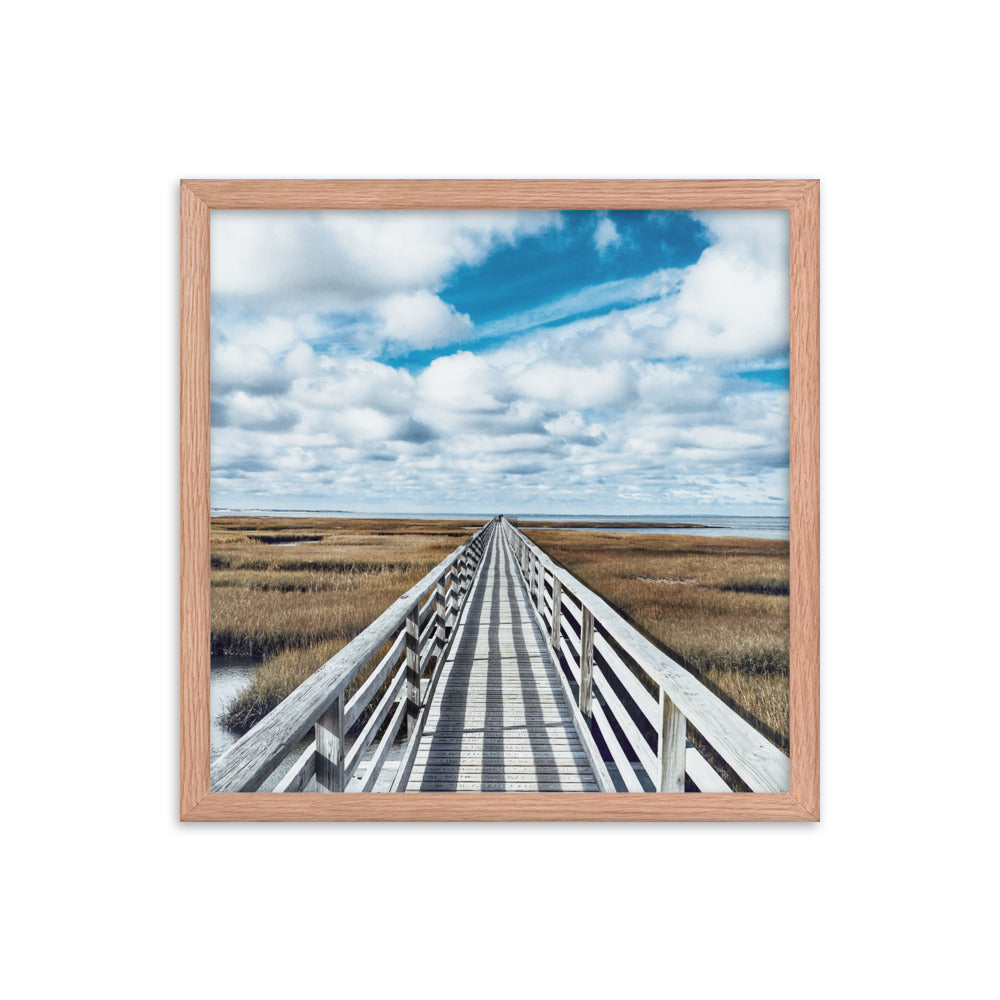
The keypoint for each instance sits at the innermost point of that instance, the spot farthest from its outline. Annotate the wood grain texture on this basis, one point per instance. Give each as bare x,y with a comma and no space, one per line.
673,762
195,665
805,469
435,807
499,193
703,774
330,737
800,197
371,727
301,772
586,662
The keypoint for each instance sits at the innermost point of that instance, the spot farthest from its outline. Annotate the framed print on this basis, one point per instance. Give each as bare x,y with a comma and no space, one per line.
499,500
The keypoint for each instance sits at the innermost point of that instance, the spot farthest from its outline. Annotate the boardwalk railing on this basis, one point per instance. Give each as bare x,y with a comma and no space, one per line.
419,627
605,660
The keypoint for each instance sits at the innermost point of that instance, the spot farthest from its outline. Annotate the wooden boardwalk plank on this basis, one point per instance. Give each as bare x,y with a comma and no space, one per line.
499,720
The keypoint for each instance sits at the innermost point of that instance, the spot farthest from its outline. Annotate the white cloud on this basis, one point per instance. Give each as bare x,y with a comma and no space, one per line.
576,387
727,307
305,262
606,235
256,413
248,367
733,302
760,235
273,334
570,426
420,319
464,383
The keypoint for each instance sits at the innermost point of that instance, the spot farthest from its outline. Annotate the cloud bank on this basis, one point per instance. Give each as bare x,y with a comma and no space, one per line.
344,376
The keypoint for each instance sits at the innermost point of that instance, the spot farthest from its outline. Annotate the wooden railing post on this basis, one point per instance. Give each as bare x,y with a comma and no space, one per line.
439,614
586,661
451,605
412,668
556,631
540,596
330,748
673,736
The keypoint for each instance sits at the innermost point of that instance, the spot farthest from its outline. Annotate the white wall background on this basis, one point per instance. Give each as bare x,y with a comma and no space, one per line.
107,106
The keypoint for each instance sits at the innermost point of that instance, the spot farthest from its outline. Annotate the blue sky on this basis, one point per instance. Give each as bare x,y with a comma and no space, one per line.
550,362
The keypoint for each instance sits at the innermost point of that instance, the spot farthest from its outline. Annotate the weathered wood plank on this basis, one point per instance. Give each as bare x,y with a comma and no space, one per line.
586,662
703,774
644,700
412,673
301,772
618,755
673,735
555,621
330,732
540,756
522,772
384,746
439,597
506,786
365,693
582,730
367,734
642,749
507,737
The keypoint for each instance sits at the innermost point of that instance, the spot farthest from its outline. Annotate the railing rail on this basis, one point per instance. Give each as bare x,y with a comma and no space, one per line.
420,626
645,735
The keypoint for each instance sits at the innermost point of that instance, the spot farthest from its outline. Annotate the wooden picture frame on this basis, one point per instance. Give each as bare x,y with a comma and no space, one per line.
799,197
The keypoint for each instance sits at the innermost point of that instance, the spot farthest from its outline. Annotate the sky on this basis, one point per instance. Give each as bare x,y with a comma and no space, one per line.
500,361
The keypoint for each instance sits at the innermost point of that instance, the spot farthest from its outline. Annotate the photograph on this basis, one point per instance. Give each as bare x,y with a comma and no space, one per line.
500,501
536,447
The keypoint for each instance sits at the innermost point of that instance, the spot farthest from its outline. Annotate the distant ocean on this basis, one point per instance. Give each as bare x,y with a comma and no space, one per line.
743,527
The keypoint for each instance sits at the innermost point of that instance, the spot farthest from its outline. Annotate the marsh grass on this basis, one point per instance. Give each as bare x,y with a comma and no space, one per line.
295,608
718,605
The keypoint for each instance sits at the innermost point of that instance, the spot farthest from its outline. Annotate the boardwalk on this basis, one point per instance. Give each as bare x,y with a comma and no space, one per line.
499,720
500,671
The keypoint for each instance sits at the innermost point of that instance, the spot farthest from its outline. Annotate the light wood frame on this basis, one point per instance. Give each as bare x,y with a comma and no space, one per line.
799,197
